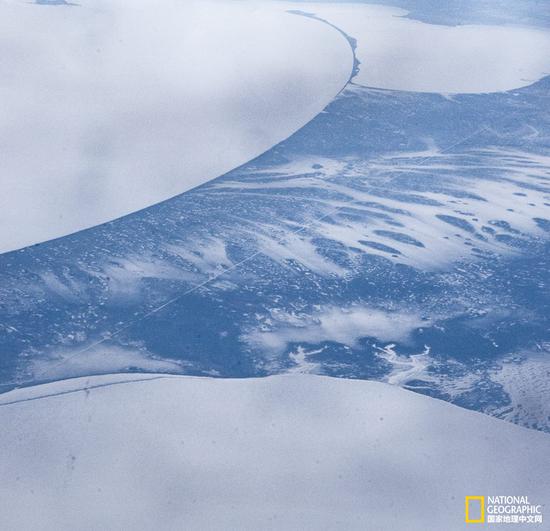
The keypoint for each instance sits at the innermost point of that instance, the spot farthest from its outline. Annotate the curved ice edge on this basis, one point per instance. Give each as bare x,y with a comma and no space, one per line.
354,70
351,41
77,384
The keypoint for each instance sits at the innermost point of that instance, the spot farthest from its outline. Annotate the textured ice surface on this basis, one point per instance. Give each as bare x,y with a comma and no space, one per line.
286,452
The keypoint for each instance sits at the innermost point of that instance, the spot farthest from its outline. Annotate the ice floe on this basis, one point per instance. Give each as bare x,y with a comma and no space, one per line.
110,106
399,53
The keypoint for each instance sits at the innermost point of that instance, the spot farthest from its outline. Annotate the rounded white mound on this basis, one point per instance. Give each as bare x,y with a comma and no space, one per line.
110,106
286,452
404,54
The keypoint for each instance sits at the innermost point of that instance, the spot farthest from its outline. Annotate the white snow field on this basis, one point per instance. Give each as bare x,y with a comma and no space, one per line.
404,54
110,106
292,452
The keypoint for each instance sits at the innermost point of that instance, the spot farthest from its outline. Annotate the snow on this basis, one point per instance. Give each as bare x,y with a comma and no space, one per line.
404,369
118,106
302,365
404,54
71,362
435,226
344,325
285,452
526,381
111,106
522,376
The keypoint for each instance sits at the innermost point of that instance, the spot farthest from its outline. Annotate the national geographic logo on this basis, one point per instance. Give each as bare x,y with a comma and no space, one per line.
501,510
474,510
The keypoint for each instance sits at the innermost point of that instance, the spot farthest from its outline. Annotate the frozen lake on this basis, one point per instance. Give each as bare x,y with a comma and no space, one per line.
111,106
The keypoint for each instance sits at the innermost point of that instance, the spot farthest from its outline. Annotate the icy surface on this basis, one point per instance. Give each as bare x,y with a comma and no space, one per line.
399,236
111,106
286,452
400,53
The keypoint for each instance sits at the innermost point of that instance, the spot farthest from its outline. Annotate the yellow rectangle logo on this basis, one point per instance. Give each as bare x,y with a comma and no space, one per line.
481,500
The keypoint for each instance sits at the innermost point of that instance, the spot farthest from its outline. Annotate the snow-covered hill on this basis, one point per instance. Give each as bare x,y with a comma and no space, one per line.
291,452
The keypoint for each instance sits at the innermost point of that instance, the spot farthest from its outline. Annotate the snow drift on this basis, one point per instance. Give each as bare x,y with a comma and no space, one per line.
285,452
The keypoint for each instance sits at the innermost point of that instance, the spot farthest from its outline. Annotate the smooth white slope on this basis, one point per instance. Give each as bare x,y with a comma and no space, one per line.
286,452
110,106
404,54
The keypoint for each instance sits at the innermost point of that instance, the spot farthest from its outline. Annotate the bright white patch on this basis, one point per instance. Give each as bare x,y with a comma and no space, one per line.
68,363
111,106
341,325
208,256
302,364
418,367
526,381
404,368
124,275
404,54
286,452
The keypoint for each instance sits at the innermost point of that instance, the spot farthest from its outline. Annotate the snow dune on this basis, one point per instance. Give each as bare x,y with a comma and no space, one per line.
110,106
285,452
